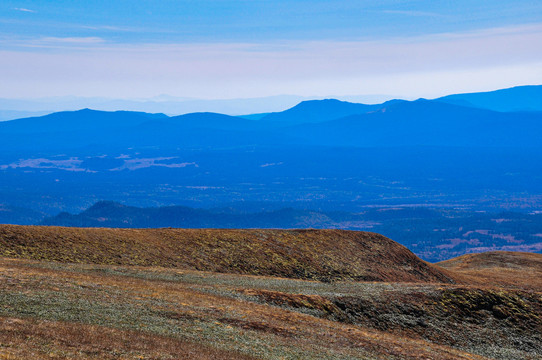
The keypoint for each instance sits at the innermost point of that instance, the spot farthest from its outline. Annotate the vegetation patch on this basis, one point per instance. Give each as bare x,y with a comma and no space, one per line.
495,323
297,301
521,309
258,326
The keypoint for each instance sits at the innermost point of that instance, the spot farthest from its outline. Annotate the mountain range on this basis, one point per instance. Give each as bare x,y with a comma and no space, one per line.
320,155
520,98
441,122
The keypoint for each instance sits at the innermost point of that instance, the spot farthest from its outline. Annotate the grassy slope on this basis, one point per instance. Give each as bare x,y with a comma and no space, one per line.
305,254
32,339
100,311
499,268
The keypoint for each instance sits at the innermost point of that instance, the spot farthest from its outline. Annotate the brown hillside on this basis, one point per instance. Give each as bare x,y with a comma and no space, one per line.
78,311
306,254
499,268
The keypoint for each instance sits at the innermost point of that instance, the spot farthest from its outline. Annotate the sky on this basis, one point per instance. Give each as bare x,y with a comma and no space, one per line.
226,49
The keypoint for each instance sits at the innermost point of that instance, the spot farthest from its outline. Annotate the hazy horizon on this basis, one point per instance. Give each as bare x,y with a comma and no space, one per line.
14,108
246,49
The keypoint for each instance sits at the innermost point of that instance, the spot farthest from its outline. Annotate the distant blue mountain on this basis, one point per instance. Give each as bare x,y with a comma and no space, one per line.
121,129
257,116
322,154
395,123
520,98
425,123
81,120
112,214
215,121
315,111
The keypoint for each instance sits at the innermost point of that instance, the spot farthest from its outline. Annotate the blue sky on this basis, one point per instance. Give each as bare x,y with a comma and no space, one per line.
232,49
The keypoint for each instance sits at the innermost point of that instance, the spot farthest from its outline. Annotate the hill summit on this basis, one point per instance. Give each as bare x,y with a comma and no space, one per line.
323,255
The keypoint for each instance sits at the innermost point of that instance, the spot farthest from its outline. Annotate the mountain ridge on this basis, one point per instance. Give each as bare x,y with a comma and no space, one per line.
396,123
427,123
87,119
316,111
517,98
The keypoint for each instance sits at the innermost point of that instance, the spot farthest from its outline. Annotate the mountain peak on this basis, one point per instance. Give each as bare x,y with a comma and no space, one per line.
316,111
322,101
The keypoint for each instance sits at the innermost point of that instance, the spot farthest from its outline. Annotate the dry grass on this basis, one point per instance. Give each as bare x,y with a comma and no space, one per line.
325,255
499,268
167,306
141,294
32,339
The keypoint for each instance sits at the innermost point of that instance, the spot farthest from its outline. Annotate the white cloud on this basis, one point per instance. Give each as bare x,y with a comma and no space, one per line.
419,66
72,40
24,10
128,29
412,13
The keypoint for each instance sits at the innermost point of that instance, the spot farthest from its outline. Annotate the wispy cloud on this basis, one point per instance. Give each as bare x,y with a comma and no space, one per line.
112,28
412,13
25,10
73,40
60,43
417,66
